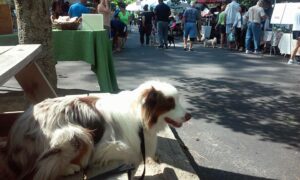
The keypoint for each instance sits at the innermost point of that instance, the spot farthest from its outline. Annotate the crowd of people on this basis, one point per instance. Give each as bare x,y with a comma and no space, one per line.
234,26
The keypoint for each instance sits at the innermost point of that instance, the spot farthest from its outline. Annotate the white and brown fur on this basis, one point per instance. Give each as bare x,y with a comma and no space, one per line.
62,136
210,42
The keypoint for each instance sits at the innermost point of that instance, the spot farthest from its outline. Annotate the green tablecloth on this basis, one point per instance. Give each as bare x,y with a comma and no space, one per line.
9,39
91,46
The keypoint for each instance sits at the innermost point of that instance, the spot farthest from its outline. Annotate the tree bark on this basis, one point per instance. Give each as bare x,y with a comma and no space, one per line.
34,27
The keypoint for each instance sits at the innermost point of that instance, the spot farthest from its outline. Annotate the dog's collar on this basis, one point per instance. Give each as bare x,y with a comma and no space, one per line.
143,150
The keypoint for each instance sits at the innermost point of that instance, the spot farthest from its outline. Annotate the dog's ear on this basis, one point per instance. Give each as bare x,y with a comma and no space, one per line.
151,98
155,103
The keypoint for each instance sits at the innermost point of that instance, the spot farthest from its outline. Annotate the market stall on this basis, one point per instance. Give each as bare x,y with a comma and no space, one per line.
282,17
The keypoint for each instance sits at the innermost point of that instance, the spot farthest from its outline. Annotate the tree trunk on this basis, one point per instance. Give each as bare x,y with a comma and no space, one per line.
34,27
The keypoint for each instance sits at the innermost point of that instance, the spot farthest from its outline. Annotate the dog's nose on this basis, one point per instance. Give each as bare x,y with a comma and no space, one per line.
187,116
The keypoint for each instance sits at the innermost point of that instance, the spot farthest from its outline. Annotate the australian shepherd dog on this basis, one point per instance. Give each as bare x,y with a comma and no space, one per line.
64,135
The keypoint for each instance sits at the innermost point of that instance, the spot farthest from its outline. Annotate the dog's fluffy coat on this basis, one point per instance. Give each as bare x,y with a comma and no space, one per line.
61,136
210,42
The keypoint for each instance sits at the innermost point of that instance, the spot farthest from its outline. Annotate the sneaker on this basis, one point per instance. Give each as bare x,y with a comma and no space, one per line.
247,52
191,49
291,61
257,52
185,49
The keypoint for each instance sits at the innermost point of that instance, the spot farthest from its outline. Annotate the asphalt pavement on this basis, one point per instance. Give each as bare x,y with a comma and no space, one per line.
246,114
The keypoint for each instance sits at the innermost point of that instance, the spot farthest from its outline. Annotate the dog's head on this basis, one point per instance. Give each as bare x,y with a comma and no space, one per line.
161,105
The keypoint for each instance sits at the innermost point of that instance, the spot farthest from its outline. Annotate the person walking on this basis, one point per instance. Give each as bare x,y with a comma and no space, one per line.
255,15
231,10
146,25
189,20
162,12
296,36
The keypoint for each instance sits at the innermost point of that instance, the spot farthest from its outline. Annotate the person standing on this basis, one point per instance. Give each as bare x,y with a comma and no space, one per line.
296,36
255,15
231,10
221,27
162,12
189,20
239,29
124,15
77,9
146,25
104,9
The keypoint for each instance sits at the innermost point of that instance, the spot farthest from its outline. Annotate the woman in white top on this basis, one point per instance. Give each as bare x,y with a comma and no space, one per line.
104,9
296,36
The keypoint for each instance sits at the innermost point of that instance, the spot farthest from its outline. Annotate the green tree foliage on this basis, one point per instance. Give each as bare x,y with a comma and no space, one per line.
247,3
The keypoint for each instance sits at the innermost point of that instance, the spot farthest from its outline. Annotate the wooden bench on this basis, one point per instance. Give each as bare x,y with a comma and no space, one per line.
19,62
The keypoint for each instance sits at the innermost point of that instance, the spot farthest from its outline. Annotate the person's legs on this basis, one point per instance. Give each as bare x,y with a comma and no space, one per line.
199,30
238,32
296,35
296,49
222,40
256,36
228,30
165,33
192,34
148,33
248,37
185,36
243,37
160,33
142,34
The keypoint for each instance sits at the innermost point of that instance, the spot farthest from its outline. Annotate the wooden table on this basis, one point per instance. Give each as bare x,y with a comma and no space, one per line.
19,61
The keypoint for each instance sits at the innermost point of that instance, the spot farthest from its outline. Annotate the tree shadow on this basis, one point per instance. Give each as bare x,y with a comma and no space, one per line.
246,107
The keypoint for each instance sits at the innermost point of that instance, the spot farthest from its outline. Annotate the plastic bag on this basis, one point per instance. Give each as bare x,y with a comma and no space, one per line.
231,37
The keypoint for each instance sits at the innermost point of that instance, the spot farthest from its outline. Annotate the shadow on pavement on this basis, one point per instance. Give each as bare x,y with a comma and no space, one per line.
206,173
246,107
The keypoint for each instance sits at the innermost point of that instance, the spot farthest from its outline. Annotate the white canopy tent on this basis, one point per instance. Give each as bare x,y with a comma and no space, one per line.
138,5
134,7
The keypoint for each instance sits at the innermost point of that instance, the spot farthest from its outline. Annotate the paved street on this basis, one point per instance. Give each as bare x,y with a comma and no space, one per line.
246,114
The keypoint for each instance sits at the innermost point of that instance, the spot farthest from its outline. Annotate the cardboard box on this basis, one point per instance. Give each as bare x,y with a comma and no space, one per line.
6,24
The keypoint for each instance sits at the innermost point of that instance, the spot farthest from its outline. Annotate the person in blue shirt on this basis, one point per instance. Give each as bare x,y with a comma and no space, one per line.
77,9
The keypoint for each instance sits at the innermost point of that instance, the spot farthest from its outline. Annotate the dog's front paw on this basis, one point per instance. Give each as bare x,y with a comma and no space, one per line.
156,158
71,169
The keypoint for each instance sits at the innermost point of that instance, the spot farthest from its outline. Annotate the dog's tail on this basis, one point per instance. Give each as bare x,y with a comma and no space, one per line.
69,152
5,170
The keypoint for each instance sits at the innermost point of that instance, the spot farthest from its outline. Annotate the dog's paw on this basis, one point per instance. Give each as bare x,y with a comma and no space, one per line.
72,169
156,158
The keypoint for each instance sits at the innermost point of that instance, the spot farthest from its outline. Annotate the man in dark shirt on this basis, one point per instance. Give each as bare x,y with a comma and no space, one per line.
146,25
162,12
